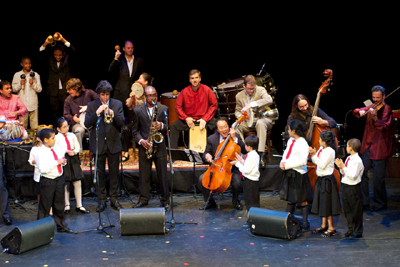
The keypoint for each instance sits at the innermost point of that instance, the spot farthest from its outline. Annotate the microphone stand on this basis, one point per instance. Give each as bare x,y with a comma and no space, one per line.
172,221
100,227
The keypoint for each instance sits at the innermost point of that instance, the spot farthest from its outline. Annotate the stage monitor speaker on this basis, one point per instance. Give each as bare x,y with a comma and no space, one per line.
143,221
273,223
29,236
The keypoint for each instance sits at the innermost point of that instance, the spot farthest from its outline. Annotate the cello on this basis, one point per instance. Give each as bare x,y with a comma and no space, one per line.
218,176
315,130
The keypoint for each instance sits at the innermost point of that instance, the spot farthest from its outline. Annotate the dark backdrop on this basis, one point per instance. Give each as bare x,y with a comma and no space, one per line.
296,45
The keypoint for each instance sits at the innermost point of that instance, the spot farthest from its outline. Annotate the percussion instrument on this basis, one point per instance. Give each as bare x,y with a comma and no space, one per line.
136,97
117,47
169,100
198,139
11,130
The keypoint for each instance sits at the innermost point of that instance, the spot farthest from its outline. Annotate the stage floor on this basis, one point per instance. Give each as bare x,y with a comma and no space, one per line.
217,239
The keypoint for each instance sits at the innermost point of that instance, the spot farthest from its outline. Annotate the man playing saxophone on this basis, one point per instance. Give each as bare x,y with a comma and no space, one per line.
149,124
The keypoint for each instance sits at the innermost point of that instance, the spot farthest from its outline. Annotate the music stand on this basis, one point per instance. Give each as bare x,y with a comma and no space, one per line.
191,156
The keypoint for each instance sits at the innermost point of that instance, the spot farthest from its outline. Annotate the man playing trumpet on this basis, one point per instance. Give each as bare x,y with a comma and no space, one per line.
106,116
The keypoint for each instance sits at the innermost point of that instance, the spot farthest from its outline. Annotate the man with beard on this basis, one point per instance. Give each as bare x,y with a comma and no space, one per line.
302,110
376,147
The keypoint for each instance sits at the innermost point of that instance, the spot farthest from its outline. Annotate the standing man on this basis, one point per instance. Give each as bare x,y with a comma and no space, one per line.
213,142
195,103
108,144
375,148
254,96
142,124
129,69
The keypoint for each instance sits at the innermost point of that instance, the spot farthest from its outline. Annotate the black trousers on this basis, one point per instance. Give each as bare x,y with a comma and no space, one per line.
378,179
145,166
352,200
180,125
235,185
251,193
52,196
113,171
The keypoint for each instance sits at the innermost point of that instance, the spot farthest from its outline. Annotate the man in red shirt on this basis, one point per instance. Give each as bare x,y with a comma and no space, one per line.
376,147
195,103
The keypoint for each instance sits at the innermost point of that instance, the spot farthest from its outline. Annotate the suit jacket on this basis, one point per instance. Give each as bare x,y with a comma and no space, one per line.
142,122
260,98
213,143
56,73
124,83
110,131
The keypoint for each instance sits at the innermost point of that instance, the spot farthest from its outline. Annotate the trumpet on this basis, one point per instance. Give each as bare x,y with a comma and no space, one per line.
107,116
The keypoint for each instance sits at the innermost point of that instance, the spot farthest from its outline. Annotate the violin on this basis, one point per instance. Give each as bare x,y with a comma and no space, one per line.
218,176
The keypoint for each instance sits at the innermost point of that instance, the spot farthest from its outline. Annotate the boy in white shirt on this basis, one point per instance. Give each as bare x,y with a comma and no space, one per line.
352,201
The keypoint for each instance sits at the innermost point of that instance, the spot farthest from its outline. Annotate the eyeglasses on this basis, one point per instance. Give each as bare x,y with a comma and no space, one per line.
153,95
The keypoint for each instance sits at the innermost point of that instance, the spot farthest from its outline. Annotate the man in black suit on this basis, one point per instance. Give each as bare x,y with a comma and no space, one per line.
108,143
141,130
129,68
59,73
213,142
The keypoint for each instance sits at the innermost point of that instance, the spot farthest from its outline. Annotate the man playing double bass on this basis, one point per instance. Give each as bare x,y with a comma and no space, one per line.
213,142
302,110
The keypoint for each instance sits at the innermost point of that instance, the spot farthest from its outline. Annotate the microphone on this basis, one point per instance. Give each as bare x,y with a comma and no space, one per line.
32,74
23,77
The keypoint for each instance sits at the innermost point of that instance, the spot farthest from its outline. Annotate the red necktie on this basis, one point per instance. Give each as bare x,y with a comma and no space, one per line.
347,161
67,141
319,153
241,175
290,149
56,158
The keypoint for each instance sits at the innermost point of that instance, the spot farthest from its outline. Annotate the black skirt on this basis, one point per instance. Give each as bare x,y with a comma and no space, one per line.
296,187
73,171
326,197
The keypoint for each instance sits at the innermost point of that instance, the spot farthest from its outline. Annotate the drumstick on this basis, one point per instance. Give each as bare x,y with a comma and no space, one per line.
222,84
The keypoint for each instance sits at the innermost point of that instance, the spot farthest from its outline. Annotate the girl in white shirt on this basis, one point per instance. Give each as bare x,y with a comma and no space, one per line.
72,172
326,198
296,187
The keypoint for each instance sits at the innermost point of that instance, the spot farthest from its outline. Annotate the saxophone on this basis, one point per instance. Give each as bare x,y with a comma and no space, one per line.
154,136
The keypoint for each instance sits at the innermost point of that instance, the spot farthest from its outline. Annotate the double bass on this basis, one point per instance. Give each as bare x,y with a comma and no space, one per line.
218,176
315,130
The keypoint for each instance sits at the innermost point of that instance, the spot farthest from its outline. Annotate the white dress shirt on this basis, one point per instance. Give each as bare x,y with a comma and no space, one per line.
46,163
28,95
32,155
298,157
130,65
325,161
354,170
250,167
62,144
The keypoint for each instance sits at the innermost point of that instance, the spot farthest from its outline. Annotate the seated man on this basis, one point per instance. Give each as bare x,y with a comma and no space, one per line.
75,104
254,96
11,107
213,142
195,103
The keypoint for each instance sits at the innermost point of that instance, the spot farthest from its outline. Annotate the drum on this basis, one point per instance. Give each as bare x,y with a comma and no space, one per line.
227,97
169,100
198,139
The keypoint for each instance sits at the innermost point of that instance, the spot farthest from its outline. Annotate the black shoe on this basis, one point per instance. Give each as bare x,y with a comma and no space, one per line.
347,234
366,207
101,207
238,206
8,221
383,207
65,230
82,210
140,205
67,209
165,206
115,205
208,206
263,159
356,236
